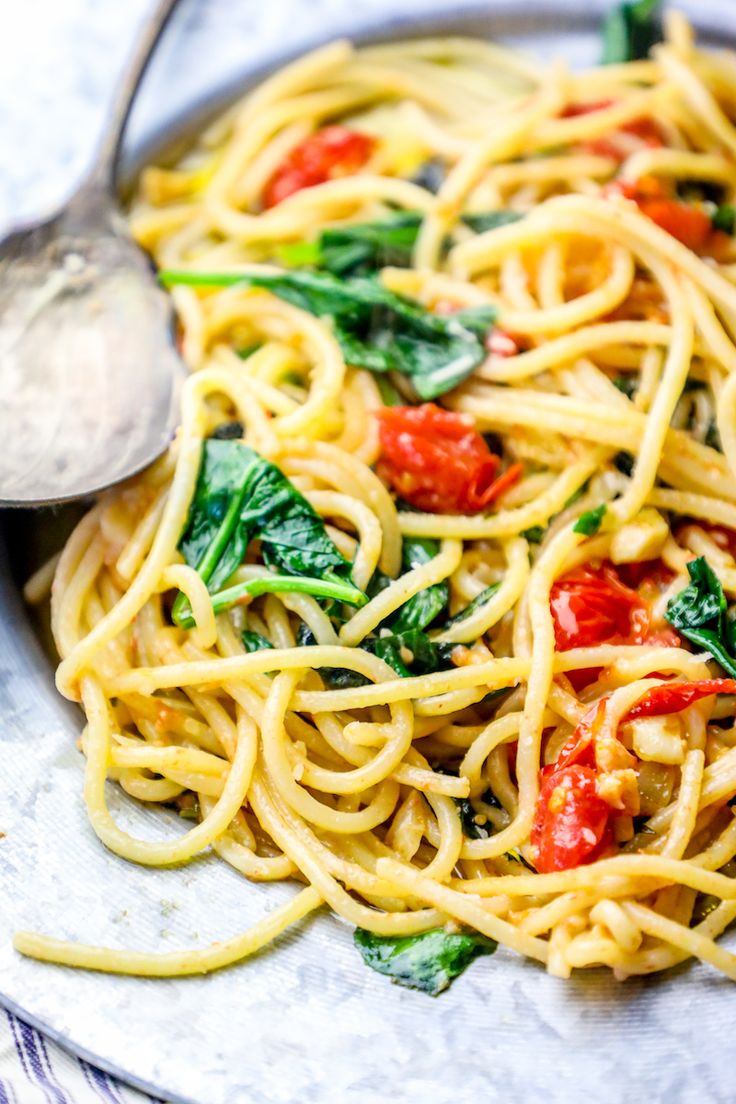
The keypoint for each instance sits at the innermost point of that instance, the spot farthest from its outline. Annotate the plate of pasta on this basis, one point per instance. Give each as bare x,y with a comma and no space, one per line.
413,659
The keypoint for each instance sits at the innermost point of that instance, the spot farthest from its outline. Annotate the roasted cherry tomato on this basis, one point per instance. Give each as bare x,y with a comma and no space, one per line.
332,152
438,462
690,225
615,145
677,696
570,822
580,748
501,344
591,607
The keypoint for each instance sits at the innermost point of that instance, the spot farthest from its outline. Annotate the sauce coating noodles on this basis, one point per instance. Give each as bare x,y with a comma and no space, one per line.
503,781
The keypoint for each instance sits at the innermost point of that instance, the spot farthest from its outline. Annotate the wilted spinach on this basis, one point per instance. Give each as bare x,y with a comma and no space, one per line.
428,961
478,601
589,521
630,30
376,329
699,613
421,609
241,497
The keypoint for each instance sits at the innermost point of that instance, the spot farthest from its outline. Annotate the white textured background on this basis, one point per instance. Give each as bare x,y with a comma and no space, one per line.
59,60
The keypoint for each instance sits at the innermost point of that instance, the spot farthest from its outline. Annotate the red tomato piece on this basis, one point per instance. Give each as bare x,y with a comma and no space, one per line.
646,130
438,462
690,225
580,748
570,821
591,607
331,152
499,343
677,696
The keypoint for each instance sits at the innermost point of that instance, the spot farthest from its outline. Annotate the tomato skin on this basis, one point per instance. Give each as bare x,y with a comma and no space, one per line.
671,699
682,221
438,462
689,225
592,607
580,748
501,344
570,821
331,152
607,145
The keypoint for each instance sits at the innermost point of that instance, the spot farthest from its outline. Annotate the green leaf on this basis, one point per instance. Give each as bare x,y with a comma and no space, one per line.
254,642
724,218
240,497
472,827
481,221
299,254
630,30
516,856
360,249
428,961
627,385
422,608
624,462
412,653
376,329
699,613
589,522
535,535
389,395
478,601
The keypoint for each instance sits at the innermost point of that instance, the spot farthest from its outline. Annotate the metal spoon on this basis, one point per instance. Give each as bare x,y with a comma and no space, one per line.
88,371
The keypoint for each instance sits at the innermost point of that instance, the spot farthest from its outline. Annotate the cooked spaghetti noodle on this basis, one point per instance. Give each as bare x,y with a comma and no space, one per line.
548,778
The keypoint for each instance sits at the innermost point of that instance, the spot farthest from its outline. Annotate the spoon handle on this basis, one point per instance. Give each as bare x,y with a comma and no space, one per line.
103,173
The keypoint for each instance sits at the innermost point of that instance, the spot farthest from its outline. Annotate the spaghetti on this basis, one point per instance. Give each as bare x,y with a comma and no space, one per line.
469,325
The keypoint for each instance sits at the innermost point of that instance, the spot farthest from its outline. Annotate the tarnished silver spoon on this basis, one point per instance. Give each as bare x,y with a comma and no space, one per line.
88,370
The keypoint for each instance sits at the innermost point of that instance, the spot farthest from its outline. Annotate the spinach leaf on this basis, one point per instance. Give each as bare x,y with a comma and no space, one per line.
422,608
241,497
389,395
428,961
376,329
412,653
228,431
478,601
627,385
480,221
409,653
630,30
535,535
472,828
699,613
589,522
713,436
516,856
724,218
624,461
254,642
334,678
360,249
431,175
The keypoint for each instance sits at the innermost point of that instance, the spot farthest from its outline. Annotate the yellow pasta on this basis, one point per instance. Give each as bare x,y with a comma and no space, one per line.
486,707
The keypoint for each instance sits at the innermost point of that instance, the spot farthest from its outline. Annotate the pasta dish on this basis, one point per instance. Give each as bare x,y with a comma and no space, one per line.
427,609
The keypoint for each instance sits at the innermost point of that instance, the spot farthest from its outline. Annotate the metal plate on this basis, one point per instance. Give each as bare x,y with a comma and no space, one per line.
306,1021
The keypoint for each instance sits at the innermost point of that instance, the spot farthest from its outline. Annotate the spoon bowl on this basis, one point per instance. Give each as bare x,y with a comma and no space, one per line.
88,370
89,374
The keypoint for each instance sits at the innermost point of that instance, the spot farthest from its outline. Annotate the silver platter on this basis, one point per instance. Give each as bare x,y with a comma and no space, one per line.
306,1021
